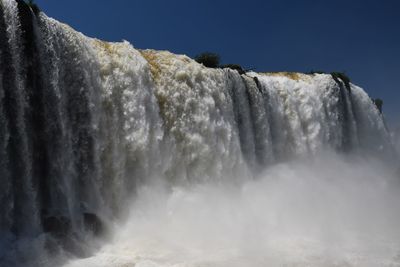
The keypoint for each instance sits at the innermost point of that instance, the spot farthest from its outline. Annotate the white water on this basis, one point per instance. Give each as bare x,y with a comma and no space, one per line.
332,211
185,165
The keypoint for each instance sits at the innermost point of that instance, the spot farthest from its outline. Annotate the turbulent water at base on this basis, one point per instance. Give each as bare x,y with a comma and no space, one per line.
113,156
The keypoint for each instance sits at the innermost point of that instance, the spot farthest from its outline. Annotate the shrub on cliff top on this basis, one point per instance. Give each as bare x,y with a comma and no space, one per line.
212,60
208,59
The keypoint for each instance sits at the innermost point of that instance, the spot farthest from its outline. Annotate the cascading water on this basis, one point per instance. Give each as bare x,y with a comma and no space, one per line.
88,127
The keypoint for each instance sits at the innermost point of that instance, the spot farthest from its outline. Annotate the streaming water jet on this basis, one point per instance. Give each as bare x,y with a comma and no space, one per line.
147,158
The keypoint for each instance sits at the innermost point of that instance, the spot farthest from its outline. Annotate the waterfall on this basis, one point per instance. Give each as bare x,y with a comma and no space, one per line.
84,122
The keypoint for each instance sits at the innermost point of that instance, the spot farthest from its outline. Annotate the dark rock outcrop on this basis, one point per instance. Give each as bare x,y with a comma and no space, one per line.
59,226
236,67
93,223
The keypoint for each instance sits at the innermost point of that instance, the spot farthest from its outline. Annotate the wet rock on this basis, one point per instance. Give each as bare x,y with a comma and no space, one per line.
93,223
236,67
59,226
76,246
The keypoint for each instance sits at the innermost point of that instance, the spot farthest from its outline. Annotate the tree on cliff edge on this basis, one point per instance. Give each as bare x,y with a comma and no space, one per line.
208,59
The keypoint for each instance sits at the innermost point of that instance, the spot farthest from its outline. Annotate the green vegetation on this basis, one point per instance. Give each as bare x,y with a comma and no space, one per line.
337,76
208,59
346,80
212,60
33,6
378,103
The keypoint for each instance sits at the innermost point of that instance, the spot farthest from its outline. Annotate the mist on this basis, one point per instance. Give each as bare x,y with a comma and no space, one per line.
116,156
328,211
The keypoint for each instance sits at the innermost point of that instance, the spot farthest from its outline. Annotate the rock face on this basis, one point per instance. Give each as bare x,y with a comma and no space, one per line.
93,223
59,226
84,122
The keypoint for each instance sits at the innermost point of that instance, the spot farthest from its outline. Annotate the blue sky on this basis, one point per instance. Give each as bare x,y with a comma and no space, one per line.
360,37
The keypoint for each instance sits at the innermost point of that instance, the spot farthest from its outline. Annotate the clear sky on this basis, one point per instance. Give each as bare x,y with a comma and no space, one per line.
360,37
